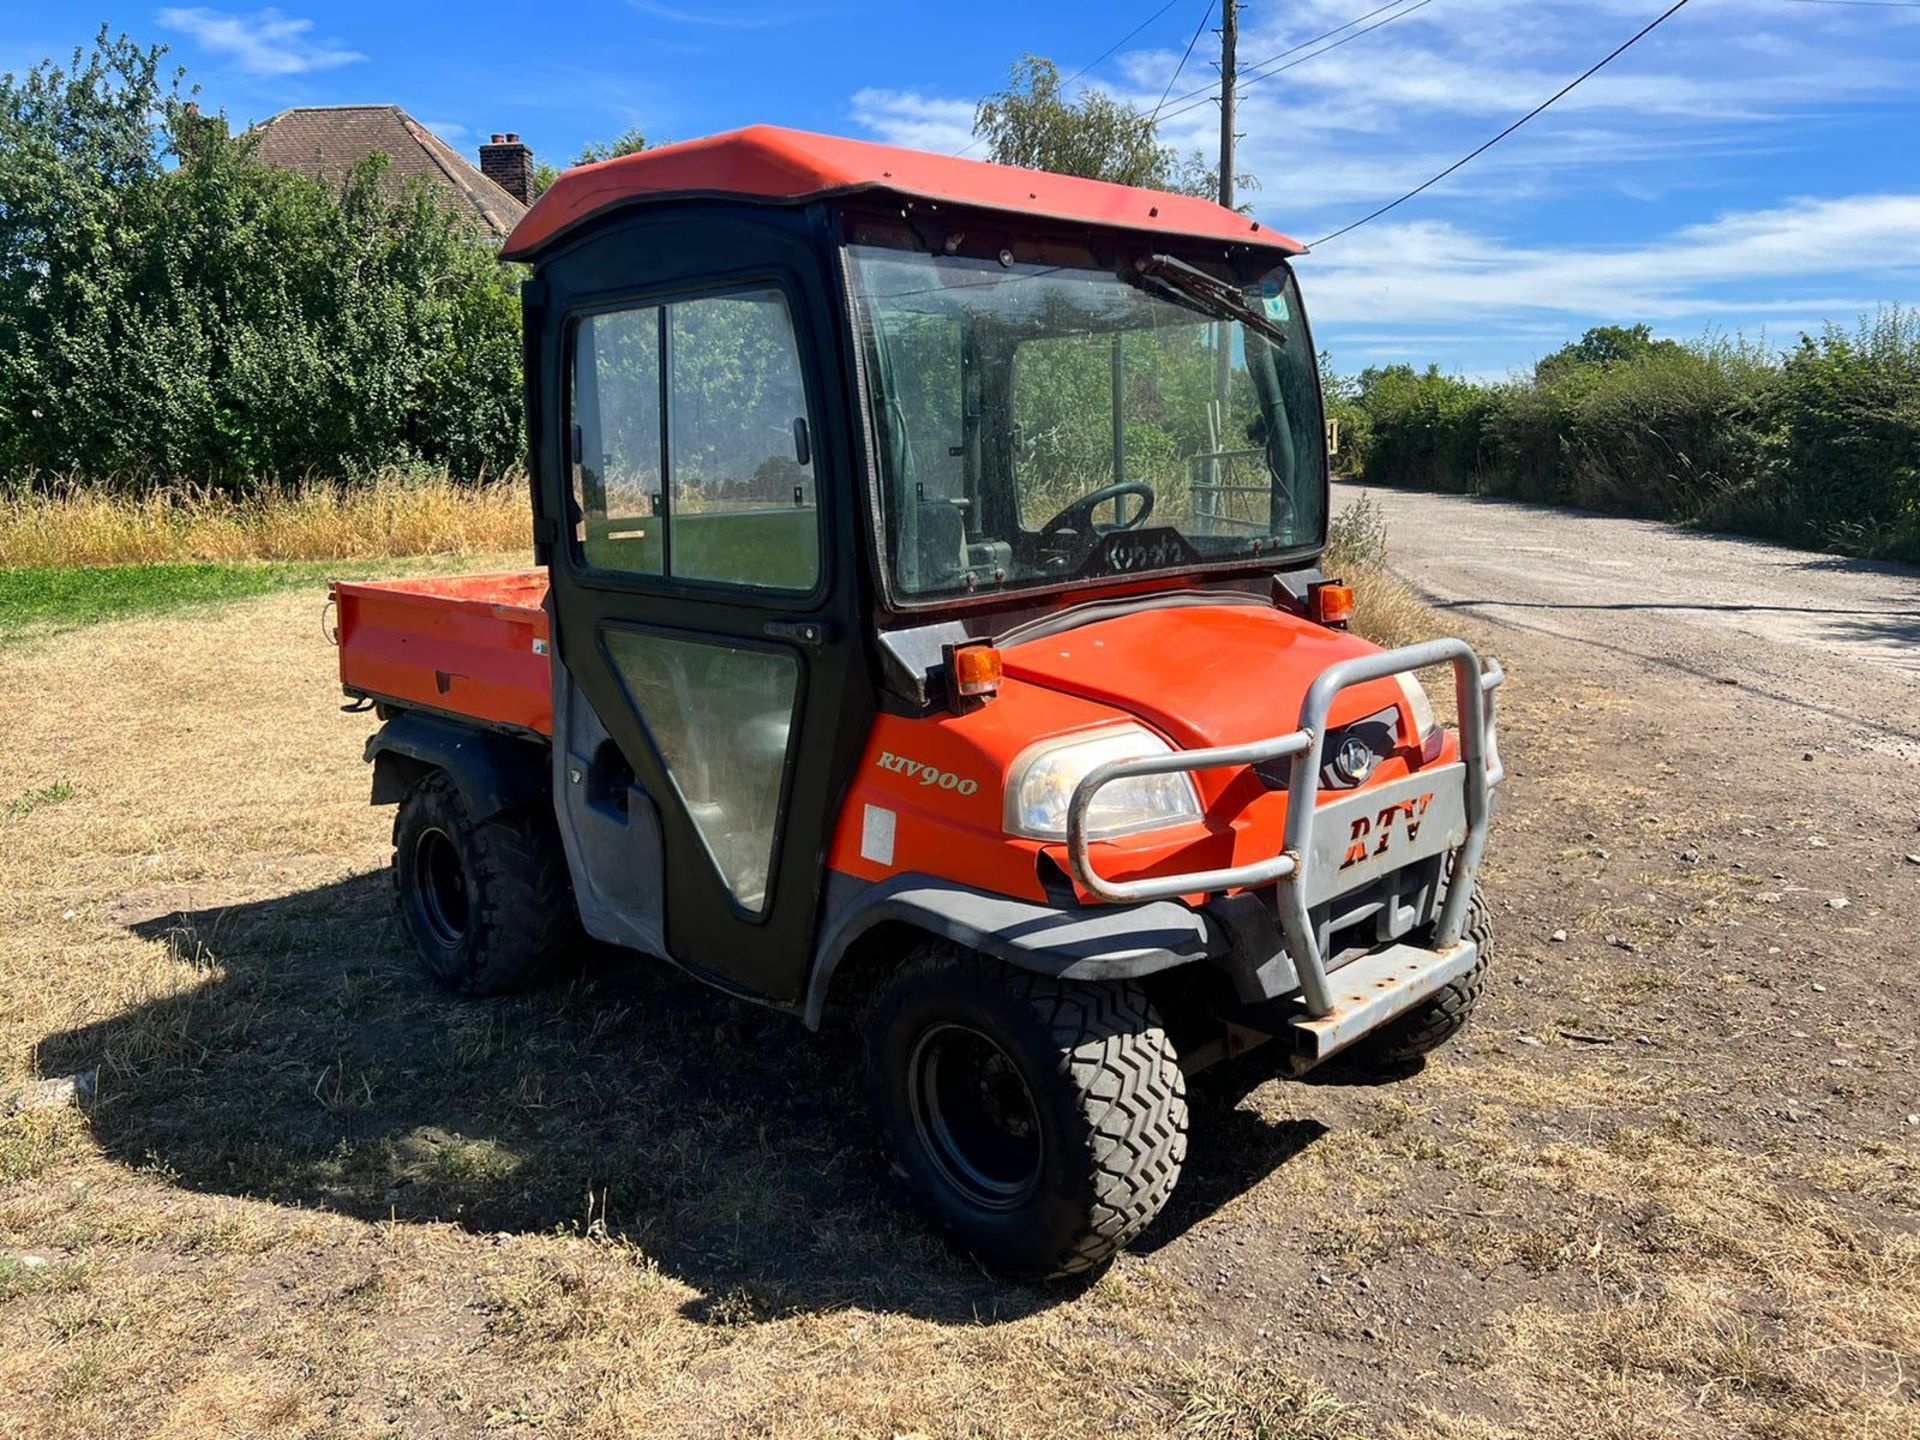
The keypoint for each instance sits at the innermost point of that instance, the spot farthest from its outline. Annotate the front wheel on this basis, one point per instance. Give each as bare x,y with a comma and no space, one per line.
1041,1123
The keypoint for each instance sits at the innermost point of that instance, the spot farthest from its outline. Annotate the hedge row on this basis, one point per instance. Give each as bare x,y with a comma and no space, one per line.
1817,446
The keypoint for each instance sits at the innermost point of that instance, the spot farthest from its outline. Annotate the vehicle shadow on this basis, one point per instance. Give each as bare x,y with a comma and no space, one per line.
309,1063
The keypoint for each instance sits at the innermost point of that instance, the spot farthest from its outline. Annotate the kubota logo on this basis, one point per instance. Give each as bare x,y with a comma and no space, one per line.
927,775
1363,844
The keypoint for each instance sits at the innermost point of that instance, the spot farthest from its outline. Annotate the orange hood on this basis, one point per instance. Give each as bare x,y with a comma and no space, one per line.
1202,674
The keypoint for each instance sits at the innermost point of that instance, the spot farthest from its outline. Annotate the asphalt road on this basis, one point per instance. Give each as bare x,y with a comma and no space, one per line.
1837,641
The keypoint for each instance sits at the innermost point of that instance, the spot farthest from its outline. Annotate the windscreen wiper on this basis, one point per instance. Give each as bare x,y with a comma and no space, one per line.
1219,298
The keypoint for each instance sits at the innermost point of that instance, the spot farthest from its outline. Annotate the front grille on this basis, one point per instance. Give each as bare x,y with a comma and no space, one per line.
1377,732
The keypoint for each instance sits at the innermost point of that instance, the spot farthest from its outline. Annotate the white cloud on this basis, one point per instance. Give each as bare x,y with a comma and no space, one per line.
1371,119
1418,289
920,122
1653,191
1450,73
1447,75
264,43
1432,272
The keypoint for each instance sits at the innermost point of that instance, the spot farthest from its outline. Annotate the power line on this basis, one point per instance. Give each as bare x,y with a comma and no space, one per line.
1095,61
1258,72
1212,94
1315,55
1205,15
1118,43
1622,49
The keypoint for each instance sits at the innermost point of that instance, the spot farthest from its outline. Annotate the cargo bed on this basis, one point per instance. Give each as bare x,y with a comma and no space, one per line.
468,645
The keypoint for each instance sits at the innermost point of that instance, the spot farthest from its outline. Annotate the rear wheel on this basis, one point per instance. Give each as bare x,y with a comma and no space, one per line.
1432,1023
488,905
1041,1123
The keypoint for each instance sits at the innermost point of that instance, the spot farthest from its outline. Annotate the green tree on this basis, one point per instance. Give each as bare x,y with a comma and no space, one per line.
1032,123
1845,452
1422,428
171,310
1341,397
1605,345
629,142
1819,446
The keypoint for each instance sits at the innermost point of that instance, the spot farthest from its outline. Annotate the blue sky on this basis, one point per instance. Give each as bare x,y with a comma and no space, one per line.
1753,166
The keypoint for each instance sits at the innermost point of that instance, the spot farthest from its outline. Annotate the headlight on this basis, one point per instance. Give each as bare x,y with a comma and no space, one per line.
1042,781
1424,721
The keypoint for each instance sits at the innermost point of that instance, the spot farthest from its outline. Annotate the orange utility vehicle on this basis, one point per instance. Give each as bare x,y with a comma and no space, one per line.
928,619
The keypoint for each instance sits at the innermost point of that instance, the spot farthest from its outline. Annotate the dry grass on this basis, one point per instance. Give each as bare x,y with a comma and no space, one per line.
1259,1402
316,1198
392,514
277,1023
1387,610
1759,1298
1678,1287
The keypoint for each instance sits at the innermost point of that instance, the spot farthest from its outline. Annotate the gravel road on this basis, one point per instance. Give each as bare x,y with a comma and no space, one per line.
1833,639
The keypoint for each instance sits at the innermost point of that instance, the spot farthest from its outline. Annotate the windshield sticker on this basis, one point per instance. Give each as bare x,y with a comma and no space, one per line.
1273,301
1128,551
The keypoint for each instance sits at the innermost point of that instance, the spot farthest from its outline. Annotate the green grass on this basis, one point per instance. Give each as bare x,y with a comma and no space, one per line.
41,602
38,603
51,600
32,800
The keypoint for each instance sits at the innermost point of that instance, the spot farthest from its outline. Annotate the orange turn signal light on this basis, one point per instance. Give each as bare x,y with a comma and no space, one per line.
1331,603
976,670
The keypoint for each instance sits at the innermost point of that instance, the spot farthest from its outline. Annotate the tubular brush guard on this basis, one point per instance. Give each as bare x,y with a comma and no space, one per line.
1376,987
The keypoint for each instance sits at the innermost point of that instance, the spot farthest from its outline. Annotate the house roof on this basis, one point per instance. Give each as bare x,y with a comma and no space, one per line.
326,142
787,166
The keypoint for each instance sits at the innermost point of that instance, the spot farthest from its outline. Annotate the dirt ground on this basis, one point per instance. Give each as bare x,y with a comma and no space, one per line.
1668,1184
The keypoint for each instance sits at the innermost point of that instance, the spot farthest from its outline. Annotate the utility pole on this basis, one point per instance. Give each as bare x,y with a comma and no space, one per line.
1229,40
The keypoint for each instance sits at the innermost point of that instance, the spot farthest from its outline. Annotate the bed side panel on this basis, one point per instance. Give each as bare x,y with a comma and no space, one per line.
474,646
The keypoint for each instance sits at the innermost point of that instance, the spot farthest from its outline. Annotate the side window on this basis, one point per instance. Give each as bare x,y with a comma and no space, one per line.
741,457
617,478
720,486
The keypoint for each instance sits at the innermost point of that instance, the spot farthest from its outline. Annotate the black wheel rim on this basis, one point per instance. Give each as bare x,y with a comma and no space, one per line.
440,886
974,1116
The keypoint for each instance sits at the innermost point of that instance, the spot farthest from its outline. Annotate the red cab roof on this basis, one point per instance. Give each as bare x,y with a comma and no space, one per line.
787,166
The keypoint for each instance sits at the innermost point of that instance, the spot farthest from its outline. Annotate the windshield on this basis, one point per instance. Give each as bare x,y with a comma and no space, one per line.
1066,419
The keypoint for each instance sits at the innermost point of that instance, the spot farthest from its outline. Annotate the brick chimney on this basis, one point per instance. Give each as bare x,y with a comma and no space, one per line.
509,164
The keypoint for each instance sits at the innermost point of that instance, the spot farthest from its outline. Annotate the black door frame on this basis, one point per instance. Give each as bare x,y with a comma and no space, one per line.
655,256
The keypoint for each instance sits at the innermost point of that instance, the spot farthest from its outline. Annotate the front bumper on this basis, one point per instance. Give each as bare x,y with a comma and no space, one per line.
1372,990
1335,849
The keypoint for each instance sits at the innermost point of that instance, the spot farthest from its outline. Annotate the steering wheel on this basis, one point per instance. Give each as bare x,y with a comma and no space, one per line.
1078,516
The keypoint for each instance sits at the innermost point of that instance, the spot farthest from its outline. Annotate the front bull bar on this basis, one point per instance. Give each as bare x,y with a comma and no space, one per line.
1473,685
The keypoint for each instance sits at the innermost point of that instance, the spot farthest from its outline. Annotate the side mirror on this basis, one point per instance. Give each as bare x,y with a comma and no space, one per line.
802,442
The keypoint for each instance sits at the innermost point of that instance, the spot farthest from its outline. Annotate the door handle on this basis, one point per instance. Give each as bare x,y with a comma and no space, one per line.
810,633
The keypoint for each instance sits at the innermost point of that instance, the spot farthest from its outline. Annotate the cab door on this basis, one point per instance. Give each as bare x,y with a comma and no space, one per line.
695,485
